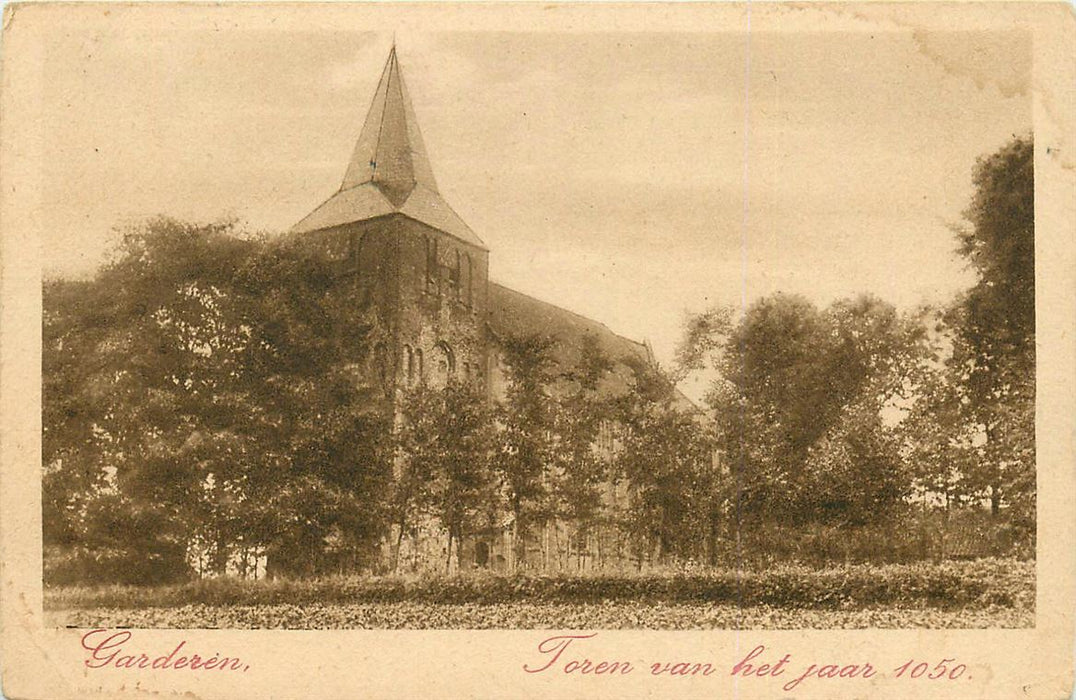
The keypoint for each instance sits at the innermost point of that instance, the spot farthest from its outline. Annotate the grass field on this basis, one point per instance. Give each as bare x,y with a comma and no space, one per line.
980,594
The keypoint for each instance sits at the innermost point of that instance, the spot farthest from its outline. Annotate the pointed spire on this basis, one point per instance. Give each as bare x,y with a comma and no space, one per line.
390,152
389,172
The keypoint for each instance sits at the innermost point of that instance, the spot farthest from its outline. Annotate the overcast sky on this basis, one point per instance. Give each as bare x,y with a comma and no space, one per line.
628,177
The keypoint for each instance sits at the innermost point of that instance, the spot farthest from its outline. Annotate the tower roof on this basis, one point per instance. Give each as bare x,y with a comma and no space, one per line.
389,171
390,152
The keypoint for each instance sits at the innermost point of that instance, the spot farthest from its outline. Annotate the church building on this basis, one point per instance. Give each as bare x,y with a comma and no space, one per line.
424,275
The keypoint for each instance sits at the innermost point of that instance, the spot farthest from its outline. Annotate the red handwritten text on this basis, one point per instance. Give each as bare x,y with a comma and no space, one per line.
554,647
681,668
744,668
107,649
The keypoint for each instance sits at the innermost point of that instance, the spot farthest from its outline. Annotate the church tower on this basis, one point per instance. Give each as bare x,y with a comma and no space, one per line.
411,260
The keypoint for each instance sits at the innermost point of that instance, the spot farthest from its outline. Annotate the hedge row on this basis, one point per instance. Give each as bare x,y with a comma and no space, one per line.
948,585
522,616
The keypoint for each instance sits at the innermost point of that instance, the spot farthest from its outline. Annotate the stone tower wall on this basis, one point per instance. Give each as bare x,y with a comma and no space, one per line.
431,319
442,306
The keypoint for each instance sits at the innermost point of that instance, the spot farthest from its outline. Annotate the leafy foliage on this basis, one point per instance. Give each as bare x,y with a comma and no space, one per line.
579,469
995,321
201,389
445,443
950,585
206,394
666,460
799,409
526,419
845,416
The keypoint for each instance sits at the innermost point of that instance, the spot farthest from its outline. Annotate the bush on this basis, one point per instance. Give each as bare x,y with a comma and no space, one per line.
156,565
948,585
577,616
918,535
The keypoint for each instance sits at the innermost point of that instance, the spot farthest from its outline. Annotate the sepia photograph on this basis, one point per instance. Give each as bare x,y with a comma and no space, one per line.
519,350
377,329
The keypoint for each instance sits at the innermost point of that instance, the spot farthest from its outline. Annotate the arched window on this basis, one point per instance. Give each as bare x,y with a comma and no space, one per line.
356,250
409,365
456,276
450,357
426,241
444,365
431,261
418,365
468,281
383,364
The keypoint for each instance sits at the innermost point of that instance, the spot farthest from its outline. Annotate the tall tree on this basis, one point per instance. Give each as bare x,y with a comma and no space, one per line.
320,481
800,403
579,468
773,401
526,421
445,440
188,387
854,473
666,458
152,335
996,321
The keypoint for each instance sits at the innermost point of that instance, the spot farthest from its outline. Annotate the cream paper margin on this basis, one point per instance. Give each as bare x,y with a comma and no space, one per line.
48,663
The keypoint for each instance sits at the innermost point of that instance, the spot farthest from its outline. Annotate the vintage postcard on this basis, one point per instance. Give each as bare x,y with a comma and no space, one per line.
538,351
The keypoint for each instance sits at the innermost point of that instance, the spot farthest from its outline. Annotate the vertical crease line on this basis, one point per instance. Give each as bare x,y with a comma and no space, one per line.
743,308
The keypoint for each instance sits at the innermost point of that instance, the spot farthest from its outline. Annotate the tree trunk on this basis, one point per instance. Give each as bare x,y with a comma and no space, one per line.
518,537
448,554
514,551
995,487
711,557
396,552
508,540
459,548
543,545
